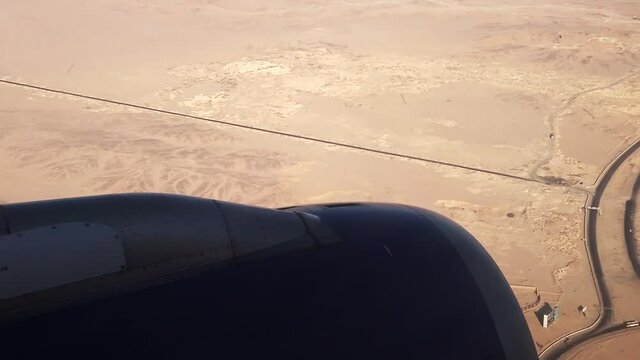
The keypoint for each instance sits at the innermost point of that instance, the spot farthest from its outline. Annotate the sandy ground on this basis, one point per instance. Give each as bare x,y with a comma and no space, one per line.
625,345
539,90
636,227
621,279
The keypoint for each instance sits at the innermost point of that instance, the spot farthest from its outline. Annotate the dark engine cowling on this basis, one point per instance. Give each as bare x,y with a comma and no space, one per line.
203,279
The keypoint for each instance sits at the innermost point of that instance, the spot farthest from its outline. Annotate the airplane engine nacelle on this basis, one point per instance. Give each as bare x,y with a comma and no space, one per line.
167,276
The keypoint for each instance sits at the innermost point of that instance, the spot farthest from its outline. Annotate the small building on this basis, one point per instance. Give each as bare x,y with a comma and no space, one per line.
547,315
583,310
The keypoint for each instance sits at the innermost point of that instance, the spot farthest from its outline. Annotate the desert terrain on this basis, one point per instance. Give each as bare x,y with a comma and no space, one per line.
614,346
501,114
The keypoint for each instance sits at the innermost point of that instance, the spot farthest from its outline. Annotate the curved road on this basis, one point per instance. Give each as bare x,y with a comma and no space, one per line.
577,352
602,325
630,212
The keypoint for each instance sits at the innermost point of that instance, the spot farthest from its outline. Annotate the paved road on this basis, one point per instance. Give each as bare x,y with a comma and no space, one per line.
611,332
630,212
603,324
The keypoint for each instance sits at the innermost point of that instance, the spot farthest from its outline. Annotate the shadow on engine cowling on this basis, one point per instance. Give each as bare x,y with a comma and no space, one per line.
396,283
